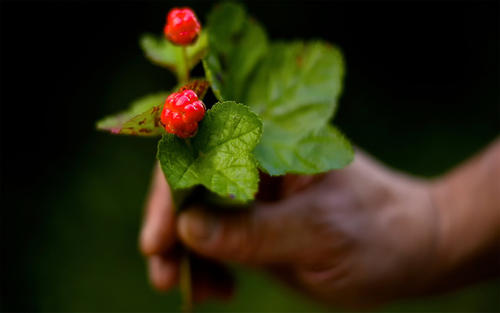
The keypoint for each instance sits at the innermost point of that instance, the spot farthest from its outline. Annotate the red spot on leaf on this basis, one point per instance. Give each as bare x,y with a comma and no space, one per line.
199,86
157,121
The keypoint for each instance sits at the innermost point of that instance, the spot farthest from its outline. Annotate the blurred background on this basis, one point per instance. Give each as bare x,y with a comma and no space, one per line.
421,95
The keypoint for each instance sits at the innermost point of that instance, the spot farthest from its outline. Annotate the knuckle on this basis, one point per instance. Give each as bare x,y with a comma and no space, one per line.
246,241
239,238
250,241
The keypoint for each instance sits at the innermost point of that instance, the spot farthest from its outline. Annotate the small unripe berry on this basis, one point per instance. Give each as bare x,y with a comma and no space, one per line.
182,112
182,26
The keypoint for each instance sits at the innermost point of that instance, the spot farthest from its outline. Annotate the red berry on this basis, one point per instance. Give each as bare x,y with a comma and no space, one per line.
182,112
182,26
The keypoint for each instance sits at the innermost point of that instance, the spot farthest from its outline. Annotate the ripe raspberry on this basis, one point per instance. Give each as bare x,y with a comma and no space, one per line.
182,26
182,112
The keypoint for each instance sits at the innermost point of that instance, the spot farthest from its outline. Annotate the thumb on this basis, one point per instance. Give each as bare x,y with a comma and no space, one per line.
267,233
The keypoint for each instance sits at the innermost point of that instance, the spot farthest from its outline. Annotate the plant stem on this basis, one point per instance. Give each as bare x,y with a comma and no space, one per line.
179,197
185,283
186,64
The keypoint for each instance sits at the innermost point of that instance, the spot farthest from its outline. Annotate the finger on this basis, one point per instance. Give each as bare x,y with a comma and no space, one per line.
158,230
211,280
258,236
163,272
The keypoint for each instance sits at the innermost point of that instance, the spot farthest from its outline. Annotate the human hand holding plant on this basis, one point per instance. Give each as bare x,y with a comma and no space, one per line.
359,233
360,236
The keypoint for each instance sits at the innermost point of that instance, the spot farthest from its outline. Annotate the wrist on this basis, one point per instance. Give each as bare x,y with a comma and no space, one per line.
468,227
449,249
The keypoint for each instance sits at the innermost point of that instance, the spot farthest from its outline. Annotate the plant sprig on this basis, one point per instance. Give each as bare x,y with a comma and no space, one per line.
276,102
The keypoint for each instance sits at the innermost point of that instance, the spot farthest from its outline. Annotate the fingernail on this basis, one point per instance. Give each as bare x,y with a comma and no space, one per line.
198,226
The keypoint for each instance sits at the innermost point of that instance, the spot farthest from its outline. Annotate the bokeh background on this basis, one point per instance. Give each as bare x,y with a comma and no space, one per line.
421,95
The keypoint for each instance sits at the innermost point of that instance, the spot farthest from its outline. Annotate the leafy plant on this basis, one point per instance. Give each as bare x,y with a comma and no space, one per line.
275,104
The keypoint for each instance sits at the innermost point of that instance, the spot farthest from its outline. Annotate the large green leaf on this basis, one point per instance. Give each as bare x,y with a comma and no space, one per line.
294,87
295,91
219,156
162,52
297,85
237,44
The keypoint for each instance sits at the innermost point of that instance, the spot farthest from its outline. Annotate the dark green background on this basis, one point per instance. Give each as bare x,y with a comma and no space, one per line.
421,94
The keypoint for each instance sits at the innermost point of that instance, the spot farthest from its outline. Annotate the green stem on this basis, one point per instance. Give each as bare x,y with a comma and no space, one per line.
186,64
179,197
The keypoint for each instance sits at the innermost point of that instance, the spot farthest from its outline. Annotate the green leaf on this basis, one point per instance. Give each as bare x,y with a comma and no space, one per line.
279,152
224,23
297,85
162,52
294,87
219,156
295,92
237,44
142,119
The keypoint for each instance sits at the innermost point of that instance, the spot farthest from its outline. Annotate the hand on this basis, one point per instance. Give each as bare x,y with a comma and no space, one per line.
357,236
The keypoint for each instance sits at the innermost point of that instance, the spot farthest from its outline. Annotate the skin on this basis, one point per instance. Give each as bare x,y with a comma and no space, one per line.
355,237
